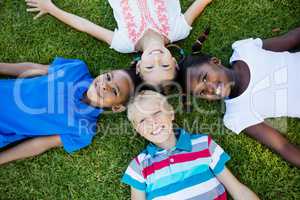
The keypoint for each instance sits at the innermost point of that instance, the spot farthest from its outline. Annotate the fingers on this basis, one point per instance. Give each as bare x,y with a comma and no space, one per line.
32,5
39,15
31,1
33,9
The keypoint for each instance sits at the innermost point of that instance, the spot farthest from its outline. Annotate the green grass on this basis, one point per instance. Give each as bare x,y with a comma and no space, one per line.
95,172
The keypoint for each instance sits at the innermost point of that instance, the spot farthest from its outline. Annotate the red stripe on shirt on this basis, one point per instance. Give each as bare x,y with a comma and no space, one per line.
209,139
222,197
180,158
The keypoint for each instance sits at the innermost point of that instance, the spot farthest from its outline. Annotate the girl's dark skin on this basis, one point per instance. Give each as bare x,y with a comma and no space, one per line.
235,81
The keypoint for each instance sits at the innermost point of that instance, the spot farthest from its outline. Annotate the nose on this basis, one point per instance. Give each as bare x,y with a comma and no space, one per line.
211,88
104,87
156,60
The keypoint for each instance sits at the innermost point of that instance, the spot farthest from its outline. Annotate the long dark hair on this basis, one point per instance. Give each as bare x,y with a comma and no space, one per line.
196,58
136,80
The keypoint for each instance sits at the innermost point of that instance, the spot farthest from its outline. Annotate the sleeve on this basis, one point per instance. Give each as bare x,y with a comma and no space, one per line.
218,157
242,47
134,177
69,69
121,43
180,29
60,63
240,121
72,143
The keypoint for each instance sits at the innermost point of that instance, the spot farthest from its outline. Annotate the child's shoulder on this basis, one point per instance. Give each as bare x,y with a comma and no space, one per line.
198,138
199,141
140,158
198,135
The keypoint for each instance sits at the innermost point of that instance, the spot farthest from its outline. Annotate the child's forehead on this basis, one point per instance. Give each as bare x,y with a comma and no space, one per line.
149,106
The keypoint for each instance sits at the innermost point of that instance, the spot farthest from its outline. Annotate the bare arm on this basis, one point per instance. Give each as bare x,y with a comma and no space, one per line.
275,141
237,190
285,42
29,148
79,23
195,10
23,69
137,194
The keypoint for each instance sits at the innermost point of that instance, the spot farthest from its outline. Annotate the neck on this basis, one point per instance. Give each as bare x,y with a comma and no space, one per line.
170,143
234,80
151,39
241,75
87,100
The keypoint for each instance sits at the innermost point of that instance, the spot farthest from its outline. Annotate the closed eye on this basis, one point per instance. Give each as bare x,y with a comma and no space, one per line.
142,120
165,66
149,67
156,113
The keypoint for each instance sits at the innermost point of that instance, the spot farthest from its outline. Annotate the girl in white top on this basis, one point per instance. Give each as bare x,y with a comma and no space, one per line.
143,25
263,83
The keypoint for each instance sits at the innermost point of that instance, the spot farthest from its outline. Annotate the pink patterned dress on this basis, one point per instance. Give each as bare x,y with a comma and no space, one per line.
135,17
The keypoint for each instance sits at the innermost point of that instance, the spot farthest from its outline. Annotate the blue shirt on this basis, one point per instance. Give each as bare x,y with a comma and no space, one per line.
49,105
186,171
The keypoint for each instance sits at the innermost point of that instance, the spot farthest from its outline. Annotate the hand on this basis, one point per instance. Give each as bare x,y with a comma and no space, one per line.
41,6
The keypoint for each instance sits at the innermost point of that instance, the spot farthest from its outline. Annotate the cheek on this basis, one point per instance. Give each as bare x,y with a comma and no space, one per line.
170,74
144,131
107,101
192,86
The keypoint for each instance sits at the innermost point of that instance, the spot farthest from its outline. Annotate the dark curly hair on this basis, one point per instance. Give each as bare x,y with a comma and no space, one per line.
196,58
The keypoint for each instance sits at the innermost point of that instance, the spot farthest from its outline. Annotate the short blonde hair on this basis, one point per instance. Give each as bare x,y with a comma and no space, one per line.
133,107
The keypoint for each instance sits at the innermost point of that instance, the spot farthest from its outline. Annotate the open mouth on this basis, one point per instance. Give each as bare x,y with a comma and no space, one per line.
156,51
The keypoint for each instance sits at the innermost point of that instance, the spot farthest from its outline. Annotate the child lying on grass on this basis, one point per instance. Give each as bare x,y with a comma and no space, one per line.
54,105
176,164
145,26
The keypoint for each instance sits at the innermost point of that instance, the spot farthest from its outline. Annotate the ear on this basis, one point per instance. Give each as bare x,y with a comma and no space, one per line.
138,67
118,108
216,60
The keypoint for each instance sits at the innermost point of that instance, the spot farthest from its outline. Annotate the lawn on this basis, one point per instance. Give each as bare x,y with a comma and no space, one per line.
95,172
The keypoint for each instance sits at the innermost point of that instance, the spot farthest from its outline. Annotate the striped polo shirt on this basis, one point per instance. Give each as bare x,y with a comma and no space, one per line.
187,171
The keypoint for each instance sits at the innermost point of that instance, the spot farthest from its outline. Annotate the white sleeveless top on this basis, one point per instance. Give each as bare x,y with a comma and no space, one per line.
273,91
135,17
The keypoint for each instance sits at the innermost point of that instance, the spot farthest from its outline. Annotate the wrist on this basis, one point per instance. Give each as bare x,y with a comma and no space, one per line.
50,8
207,1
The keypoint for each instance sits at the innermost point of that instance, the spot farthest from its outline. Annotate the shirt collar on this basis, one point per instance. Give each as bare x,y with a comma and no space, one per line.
183,143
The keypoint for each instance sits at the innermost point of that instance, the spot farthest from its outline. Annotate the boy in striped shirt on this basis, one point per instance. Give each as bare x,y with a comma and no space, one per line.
176,164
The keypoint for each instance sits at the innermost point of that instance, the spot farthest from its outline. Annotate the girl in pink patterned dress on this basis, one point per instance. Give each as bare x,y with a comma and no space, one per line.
143,25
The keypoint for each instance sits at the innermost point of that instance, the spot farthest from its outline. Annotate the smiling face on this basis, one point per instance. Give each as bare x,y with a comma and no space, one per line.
157,65
110,89
152,117
209,81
